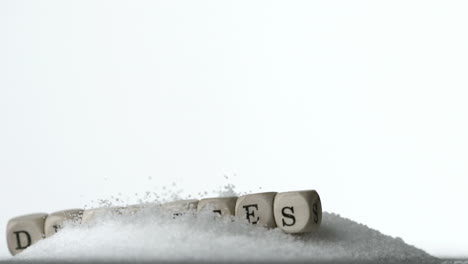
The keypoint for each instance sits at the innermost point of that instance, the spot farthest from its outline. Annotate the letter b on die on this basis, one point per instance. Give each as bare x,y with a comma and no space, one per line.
298,212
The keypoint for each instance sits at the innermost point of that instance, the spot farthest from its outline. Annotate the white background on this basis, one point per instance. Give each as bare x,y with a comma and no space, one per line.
364,101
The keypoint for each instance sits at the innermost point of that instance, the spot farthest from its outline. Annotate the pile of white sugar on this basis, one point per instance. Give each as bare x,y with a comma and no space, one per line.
155,235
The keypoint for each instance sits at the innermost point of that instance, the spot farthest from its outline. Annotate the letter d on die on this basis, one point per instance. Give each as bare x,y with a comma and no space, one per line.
298,211
23,231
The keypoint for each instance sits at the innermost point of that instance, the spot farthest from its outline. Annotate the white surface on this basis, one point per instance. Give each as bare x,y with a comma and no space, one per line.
154,235
364,101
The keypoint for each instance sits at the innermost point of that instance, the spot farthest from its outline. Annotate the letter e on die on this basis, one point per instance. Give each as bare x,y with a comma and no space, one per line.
257,208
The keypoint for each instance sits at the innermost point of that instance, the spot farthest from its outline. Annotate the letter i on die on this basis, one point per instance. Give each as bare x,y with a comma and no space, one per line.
298,211
23,231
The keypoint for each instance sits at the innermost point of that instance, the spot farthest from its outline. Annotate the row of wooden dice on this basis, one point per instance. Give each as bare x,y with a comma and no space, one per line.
293,212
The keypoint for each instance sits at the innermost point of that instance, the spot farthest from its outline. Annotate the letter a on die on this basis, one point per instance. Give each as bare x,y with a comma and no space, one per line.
298,211
257,208
23,231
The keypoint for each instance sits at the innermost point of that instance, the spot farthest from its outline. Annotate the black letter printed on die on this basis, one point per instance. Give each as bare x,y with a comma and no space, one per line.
315,211
217,211
249,213
18,239
57,228
288,216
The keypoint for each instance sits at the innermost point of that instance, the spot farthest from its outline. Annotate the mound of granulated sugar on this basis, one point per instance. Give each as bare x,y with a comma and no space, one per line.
155,235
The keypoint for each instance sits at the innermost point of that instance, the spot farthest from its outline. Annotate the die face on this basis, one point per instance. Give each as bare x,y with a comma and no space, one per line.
24,231
257,208
71,214
130,210
181,207
54,221
222,205
90,215
298,212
